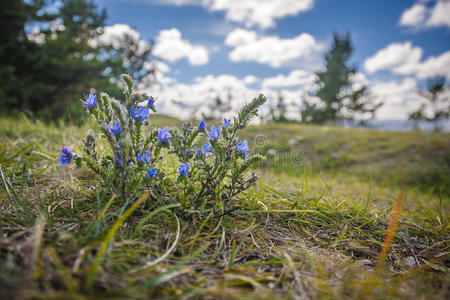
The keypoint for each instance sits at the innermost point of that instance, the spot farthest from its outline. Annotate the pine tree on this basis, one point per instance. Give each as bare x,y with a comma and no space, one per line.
46,69
338,99
17,52
69,65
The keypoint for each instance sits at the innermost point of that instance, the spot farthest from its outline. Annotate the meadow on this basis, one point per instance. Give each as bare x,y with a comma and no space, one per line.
336,214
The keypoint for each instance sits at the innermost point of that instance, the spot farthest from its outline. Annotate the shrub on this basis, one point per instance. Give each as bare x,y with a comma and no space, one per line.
199,169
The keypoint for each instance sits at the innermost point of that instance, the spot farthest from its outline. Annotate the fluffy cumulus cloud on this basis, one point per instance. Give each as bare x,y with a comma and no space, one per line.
250,79
294,79
271,50
440,14
414,16
200,98
262,13
399,57
241,37
399,98
171,47
421,15
187,101
116,36
406,59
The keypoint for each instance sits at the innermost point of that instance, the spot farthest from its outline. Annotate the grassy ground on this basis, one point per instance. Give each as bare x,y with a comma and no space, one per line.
312,227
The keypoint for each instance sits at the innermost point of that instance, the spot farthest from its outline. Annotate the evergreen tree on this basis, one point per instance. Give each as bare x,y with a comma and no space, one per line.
17,52
437,105
69,65
47,61
338,99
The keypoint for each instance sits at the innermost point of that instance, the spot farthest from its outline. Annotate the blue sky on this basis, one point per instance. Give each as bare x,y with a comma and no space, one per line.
398,44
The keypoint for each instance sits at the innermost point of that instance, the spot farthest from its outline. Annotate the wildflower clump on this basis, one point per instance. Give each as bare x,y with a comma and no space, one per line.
199,168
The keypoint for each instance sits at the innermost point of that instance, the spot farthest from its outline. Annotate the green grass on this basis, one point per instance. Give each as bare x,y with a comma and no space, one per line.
310,228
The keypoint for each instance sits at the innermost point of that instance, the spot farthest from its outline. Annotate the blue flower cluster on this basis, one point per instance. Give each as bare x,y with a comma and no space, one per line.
205,155
152,172
115,129
141,113
151,102
90,101
207,148
243,148
144,157
214,132
202,126
66,156
164,135
183,169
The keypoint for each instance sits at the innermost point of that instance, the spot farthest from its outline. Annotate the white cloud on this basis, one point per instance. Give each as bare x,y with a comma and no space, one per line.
240,37
262,13
116,35
421,16
359,80
270,50
181,2
397,56
295,78
440,15
187,101
414,16
399,98
405,59
171,47
250,79
435,65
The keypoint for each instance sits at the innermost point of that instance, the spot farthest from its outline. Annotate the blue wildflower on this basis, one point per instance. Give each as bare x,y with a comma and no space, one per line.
151,102
152,172
226,122
141,113
214,132
144,157
199,152
119,161
202,125
66,157
334,155
164,135
115,129
133,112
183,169
207,147
90,101
243,148
188,152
